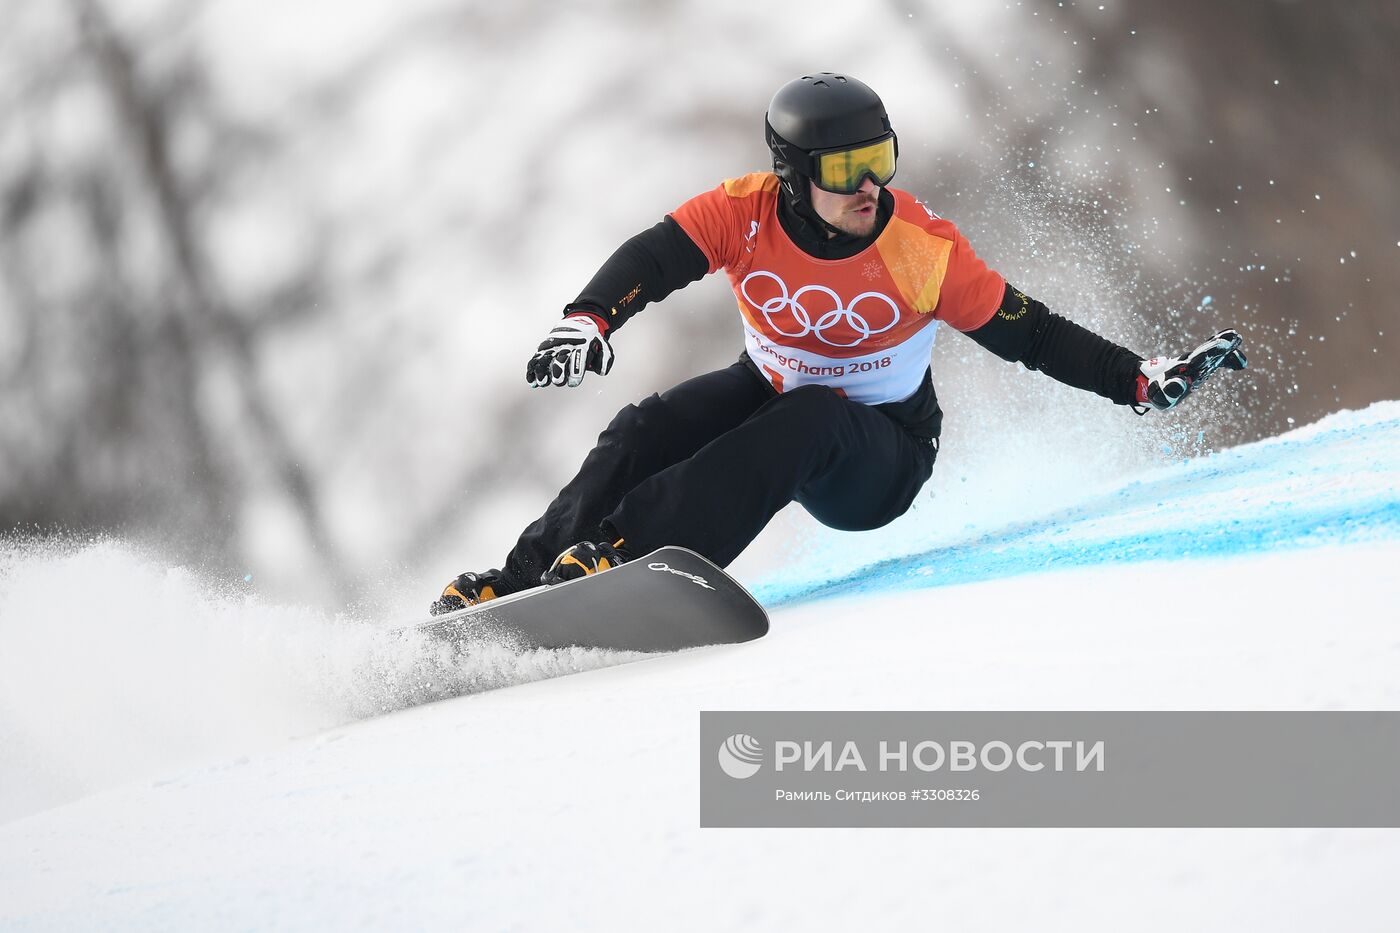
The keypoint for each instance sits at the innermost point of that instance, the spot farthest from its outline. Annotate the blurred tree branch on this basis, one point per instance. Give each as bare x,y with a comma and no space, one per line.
208,325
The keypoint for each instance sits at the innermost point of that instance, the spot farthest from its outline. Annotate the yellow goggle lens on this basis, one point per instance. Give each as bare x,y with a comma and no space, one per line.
842,172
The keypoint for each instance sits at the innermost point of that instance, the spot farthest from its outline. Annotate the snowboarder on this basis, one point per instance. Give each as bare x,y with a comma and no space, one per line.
841,282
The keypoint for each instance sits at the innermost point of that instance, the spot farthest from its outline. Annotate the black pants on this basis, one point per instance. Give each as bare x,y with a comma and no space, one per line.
707,464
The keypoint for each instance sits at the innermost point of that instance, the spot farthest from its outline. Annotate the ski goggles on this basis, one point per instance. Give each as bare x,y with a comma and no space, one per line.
843,171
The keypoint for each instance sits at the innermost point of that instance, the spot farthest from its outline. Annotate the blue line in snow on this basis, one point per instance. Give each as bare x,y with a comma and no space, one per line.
1011,554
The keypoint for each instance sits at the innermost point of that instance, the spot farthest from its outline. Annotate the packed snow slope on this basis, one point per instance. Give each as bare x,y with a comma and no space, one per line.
1257,578
1333,482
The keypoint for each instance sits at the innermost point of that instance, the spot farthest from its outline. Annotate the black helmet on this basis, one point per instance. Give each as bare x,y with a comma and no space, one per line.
822,112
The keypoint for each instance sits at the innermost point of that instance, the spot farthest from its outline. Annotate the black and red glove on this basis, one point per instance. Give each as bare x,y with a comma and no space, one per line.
1166,381
576,345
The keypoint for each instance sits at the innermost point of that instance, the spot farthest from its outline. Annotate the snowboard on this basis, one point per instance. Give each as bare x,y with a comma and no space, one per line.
669,600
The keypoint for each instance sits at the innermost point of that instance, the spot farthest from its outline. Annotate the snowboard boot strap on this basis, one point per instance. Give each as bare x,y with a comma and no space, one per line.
469,589
584,560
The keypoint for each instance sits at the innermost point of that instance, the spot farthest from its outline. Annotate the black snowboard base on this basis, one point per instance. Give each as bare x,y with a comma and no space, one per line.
669,600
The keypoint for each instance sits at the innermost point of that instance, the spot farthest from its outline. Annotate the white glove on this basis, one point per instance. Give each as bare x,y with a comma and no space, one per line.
1164,382
573,347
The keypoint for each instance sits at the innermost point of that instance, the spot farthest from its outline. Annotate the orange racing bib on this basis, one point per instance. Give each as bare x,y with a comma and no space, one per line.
864,325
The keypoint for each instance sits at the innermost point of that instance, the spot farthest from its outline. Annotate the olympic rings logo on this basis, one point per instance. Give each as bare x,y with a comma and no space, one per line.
787,316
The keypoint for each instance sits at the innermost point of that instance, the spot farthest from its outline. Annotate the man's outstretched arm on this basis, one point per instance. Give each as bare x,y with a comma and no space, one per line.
1023,330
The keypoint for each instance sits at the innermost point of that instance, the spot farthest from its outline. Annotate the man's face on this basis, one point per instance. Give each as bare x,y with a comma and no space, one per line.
849,213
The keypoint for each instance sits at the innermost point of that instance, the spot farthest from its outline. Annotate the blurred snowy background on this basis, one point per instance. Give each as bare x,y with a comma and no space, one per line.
269,273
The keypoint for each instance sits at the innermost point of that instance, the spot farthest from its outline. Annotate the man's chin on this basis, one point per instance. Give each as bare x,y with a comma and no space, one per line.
858,226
